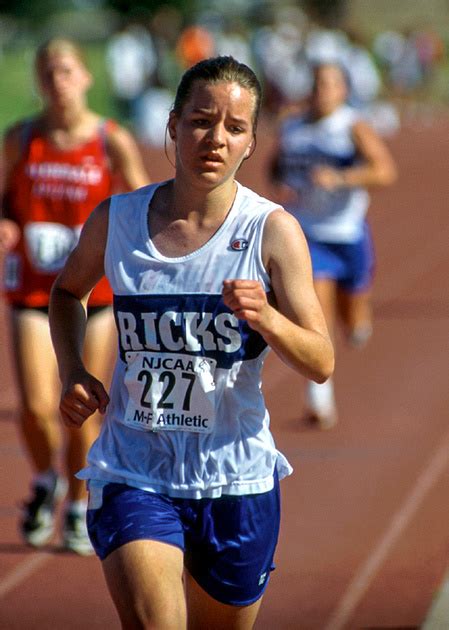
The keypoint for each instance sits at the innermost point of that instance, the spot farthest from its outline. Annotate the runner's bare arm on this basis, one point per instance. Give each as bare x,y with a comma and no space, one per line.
376,168
294,327
126,158
82,394
9,230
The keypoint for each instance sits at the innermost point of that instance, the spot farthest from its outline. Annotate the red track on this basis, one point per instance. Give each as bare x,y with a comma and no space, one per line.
365,535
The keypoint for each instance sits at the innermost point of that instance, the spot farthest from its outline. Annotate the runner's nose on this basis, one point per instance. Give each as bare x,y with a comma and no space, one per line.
216,135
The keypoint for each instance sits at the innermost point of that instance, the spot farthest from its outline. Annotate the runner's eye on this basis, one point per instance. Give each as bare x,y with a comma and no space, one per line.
201,122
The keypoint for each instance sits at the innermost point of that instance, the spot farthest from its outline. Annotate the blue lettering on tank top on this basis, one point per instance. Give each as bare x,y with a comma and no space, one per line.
191,324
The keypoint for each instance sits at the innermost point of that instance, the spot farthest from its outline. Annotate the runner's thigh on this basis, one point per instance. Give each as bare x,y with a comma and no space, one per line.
145,581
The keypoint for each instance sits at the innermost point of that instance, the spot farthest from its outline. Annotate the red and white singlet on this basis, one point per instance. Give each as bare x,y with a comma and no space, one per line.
50,194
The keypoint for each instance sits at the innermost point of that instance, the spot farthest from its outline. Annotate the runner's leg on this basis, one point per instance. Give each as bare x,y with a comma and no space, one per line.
145,580
355,311
37,379
354,294
206,612
36,368
320,399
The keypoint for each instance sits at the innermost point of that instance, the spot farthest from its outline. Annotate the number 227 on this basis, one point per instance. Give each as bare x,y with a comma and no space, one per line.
168,379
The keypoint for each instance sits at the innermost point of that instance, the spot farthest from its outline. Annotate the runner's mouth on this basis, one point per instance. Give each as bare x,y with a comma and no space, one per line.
213,158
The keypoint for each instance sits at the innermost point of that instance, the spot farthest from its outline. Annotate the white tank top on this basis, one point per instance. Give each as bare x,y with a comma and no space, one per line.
186,416
332,216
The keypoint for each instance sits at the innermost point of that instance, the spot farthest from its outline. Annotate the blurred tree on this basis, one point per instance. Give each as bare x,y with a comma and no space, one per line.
39,10
329,13
149,7
33,10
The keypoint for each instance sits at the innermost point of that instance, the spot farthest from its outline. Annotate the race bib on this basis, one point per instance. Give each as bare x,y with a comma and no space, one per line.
170,392
49,244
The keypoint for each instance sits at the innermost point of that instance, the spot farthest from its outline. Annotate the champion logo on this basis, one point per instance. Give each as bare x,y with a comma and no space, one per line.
239,244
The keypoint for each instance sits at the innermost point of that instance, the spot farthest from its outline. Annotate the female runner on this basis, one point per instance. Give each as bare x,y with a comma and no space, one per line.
206,274
324,160
59,165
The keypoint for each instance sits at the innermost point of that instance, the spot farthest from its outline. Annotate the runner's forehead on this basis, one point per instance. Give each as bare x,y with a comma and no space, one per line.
206,96
333,73
59,59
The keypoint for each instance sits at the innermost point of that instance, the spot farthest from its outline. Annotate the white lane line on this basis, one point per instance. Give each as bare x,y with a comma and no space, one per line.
365,575
22,571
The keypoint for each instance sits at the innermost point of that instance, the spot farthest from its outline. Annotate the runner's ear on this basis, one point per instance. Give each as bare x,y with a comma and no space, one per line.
250,150
172,126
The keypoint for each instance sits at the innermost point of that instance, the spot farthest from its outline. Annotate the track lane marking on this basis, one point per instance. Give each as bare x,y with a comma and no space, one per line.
22,571
360,584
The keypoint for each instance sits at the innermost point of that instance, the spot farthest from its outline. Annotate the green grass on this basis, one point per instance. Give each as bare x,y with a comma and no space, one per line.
19,98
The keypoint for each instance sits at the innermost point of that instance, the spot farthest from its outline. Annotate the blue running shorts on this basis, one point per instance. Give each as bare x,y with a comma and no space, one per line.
351,265
228,542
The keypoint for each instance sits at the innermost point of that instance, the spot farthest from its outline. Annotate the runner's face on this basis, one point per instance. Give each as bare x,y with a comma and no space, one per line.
329,89
62,79
214,132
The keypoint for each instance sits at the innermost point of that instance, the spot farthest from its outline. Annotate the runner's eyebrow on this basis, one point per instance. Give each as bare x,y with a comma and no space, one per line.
210,112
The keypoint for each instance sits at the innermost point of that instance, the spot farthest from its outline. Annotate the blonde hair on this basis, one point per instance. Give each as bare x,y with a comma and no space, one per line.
59,45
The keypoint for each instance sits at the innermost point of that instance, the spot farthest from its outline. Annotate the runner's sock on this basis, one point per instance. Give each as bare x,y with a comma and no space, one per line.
320,396
79,508
46,479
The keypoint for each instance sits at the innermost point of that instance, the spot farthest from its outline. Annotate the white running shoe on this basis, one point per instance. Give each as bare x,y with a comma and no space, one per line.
359,336
322,420
321,409
74,534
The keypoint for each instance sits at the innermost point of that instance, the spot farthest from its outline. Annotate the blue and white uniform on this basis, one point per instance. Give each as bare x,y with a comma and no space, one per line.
186,417
334,222
331,216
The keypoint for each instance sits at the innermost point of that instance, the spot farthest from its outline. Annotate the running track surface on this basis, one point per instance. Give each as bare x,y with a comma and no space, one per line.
365,529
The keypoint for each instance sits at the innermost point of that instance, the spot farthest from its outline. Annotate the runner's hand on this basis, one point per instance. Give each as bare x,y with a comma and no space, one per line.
283,194
82,396
9,234
328,178
248,301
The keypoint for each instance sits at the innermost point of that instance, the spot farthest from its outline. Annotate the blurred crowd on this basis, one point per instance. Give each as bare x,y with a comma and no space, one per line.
146,59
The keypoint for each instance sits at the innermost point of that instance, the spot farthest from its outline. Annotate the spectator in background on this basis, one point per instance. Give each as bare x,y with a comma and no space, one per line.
165,27
409,59
232,40
194,44
366,86
278,50
430,49
364,77
131,61
155,101
151,115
